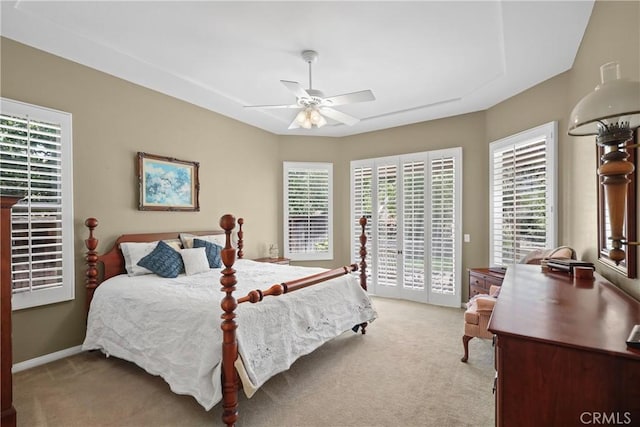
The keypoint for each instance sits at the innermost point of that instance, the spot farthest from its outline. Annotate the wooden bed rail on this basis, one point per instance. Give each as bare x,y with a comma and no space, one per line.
293,285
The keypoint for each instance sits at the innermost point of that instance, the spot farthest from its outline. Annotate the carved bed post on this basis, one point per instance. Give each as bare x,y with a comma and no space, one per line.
240,238
363,264
91,243
363,254
229,341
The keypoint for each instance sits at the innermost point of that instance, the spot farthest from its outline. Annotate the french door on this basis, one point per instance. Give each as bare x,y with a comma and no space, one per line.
413,205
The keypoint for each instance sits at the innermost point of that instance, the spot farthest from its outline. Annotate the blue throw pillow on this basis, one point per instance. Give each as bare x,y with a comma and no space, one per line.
212,250
164,261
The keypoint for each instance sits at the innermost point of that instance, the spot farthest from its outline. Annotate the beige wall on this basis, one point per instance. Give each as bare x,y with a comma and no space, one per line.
114,119
463,131
613,35
466,131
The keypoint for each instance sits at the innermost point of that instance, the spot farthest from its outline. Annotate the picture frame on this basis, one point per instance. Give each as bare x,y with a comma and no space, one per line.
167,184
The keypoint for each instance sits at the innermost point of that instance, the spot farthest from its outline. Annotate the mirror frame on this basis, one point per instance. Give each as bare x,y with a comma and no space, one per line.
628,267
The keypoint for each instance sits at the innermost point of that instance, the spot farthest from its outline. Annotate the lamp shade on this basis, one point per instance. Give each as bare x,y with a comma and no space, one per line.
613,100
301,117
309,117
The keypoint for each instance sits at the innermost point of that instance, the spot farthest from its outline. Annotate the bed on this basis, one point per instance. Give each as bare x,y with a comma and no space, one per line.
170,326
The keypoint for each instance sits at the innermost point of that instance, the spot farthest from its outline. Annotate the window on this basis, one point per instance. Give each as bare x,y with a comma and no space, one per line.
308,211
444,217
522,192
36,161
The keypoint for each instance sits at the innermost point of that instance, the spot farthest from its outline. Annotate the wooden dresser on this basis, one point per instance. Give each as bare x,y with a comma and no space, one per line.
561,356
8,415
481,279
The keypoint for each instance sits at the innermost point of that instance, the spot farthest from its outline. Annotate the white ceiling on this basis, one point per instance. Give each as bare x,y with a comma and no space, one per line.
423,60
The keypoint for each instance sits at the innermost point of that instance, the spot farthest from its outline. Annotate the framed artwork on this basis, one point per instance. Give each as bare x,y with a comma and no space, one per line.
167,184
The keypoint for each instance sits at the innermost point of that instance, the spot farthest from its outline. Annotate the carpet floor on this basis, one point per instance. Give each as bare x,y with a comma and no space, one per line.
405,372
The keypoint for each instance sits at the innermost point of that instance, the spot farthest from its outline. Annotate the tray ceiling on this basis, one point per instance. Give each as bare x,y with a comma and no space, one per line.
423,60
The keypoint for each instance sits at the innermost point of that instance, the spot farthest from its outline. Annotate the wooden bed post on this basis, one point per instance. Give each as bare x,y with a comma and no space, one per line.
240,238
91,243
229,341
363,254
363,264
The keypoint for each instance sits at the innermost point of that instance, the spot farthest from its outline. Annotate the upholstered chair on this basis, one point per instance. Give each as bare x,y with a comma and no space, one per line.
476,318
480,307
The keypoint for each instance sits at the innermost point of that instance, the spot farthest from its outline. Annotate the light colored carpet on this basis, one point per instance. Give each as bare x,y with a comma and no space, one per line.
405,372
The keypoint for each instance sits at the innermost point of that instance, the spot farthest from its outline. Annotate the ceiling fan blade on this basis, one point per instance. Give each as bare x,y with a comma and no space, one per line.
349,98
295,87
294,124
339,116
272,106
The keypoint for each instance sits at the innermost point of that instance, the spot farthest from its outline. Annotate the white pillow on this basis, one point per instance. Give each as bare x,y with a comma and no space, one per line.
176,244
187,239
195,261
134,252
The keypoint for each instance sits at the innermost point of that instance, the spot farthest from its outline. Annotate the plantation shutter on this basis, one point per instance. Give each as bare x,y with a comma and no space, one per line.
443,225
361,183
522,196
32,157
387,225
415,205
413,223
308,211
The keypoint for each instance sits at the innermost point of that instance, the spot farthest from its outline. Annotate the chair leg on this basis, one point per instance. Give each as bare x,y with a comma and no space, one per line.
465,343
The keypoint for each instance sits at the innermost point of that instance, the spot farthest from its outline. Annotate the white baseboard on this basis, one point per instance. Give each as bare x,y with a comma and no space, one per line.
51,357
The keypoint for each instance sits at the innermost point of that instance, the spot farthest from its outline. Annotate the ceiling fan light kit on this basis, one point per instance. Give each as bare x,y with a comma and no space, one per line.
310,116
314,107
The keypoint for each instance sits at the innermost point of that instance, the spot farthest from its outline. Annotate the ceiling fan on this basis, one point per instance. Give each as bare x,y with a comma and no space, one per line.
313,104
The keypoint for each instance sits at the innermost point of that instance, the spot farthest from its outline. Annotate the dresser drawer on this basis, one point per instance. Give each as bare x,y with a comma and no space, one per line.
491,280
476,290
478,282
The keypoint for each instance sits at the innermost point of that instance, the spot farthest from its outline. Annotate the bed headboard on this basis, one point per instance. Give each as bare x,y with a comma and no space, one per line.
112,261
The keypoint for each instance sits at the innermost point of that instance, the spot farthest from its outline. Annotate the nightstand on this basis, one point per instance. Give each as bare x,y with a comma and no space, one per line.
283,261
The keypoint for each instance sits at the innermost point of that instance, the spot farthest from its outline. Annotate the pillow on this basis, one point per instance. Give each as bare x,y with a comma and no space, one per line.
164,261
187,239
174,243
133,252
195,260
212,250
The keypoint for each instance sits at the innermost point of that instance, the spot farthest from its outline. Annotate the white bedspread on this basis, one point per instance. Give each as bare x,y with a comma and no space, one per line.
171,327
